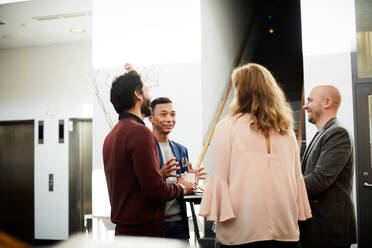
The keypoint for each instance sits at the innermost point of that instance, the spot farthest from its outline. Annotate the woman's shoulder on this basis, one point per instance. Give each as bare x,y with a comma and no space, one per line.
235,119
234,123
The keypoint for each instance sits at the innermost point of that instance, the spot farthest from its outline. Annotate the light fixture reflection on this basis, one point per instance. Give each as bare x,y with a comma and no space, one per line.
77,30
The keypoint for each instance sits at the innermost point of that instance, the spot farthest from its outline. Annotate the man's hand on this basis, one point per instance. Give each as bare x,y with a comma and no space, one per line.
169,167
199,174
190,187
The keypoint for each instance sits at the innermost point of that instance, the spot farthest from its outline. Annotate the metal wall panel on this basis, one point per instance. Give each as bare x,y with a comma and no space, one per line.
80,173
17,179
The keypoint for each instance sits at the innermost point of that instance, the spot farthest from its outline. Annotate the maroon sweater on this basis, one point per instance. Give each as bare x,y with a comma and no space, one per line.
136,188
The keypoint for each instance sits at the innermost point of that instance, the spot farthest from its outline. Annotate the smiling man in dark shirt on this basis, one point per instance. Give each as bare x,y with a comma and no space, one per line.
136,188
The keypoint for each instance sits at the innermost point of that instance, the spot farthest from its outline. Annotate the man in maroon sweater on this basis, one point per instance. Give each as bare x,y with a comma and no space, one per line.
136,188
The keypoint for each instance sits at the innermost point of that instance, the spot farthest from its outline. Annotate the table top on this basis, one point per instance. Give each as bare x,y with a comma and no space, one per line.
194,197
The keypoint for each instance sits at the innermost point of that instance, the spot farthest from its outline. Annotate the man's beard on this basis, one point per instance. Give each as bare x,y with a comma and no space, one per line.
146,107
311,120
314,116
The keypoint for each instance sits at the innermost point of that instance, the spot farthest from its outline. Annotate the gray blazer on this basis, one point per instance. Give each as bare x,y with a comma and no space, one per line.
328,168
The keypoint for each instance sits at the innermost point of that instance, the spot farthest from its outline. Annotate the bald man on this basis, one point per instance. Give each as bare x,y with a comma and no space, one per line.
328,168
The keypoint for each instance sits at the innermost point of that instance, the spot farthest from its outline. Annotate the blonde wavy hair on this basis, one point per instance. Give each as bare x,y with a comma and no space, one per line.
258,93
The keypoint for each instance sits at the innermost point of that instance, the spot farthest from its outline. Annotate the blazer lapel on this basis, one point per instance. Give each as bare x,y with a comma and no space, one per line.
315,141
177,154
175,151
160,155
308,150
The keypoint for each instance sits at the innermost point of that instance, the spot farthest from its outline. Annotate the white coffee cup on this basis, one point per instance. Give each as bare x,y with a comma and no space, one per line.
189,177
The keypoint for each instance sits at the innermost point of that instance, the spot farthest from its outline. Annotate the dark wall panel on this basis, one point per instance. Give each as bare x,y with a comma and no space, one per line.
17,179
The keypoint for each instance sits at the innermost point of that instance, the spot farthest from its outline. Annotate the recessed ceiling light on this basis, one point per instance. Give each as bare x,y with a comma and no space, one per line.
10,37
77,30
271,30
12,1
63,16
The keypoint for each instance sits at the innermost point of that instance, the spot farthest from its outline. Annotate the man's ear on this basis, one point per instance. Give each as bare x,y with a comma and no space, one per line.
150,118
138,96
328,103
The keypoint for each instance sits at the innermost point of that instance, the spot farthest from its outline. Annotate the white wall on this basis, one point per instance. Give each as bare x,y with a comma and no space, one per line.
224,29
47,83
328,38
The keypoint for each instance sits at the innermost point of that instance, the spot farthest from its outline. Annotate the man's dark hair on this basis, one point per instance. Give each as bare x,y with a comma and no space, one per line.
159,100
122,91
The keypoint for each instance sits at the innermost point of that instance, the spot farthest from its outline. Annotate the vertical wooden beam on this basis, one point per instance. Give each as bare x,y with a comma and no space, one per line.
222,105
301,119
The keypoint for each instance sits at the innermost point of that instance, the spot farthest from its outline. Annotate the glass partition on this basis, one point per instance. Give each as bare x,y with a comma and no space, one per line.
364,37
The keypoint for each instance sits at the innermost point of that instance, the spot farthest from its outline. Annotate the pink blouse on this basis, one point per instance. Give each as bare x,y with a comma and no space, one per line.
252,194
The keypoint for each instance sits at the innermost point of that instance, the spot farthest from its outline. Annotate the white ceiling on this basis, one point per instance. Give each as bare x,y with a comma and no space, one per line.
22,29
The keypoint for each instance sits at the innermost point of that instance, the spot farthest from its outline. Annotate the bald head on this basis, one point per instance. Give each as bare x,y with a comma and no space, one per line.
331,92
322,104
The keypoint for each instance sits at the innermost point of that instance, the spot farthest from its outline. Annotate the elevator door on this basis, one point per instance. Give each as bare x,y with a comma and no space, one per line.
80,172
17,179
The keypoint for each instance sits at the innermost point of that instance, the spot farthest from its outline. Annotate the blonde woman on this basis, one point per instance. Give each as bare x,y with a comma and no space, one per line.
256,192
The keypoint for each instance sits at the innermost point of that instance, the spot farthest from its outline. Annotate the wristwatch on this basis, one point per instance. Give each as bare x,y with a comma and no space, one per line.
184,188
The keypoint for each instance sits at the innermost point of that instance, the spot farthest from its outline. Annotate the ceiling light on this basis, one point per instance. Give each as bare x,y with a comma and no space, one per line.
271,30
12,1
63,16
77,30
10,37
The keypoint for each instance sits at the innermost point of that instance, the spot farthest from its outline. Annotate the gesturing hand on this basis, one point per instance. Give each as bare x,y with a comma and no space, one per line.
169,167
199,174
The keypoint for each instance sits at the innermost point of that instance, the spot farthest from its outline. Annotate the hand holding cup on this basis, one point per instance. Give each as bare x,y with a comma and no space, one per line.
189,178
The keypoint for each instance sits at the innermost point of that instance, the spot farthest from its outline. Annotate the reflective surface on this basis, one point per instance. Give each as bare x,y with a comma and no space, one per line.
364,37
80,173
370,129
17,179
